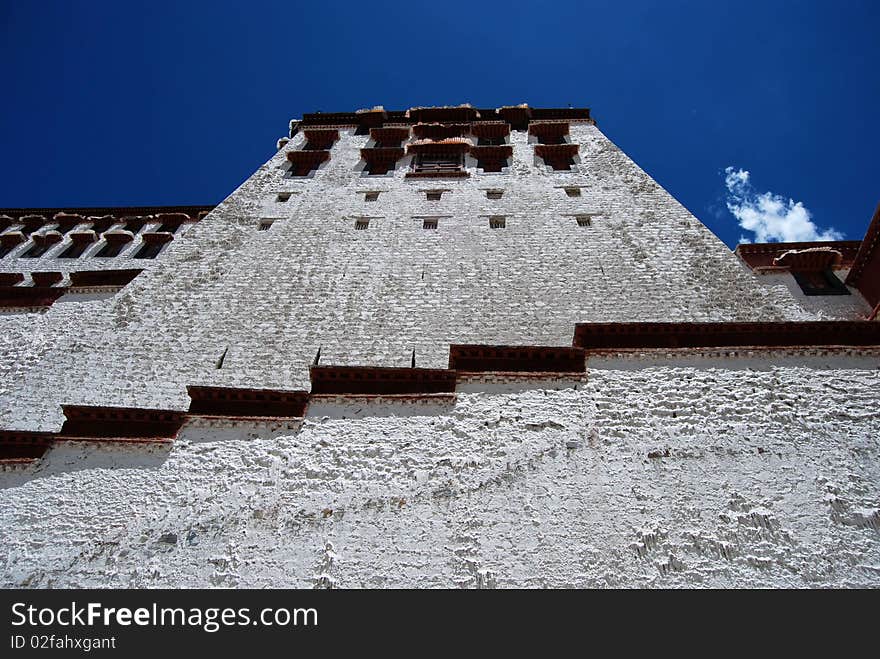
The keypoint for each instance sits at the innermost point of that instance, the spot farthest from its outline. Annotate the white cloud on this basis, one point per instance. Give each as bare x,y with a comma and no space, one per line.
771,217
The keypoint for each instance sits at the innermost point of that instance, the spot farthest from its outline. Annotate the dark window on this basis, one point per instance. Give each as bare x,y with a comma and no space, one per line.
283,196
111,249
134,226
494,194
5,249
583,220
371,196
491,141
265,225
440,163
559,162
821,282
74,250
360,225
497,223
378,167
493,165
429,224
149,250
169,227
434,195
573,192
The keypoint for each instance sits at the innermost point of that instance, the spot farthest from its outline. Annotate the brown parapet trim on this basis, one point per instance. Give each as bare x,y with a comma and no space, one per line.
104,277
29,296
456,114
23,445
12,239
382,154
11,278
761,255
308,157
867,250
154,237
46,278
460,174
549,129
516,359
70,213
240,402
633,336
442,397
83,236
119,423
490,129
390,134
551,151
500,152
380,380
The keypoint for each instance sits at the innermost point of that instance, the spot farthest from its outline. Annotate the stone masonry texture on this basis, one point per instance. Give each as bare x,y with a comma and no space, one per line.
651,470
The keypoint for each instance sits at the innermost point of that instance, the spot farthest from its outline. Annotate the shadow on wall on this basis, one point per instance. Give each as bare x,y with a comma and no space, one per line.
70,456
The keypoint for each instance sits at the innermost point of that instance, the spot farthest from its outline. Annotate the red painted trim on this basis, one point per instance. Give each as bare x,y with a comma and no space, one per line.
500,152
378,380
12,239
760,255
28,296
865,272
490,129
11,278
385,155
46,278
23,445
555,151
460,174
103,277
516,359
633,336
549,130
227,401
92,422
390,134
161,237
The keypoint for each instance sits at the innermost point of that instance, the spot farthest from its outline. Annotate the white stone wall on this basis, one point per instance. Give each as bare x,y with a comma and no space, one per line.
765,474
372,297
771,474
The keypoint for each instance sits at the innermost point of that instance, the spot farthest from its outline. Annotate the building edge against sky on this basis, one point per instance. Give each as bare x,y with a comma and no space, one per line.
448,347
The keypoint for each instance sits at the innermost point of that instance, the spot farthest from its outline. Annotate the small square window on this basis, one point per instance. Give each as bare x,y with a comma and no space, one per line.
37,250
283,197
111,249
429,223
149,250
434,195
497,222
822,282
584,220
360,225
265,225
494,194
75,250
371,196
573,192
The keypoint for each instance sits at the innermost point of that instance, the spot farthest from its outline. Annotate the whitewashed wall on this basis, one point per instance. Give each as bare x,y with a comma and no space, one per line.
768,476
482,494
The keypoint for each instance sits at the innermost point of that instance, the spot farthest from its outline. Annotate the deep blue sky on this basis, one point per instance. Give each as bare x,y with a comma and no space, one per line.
176,103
